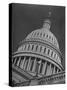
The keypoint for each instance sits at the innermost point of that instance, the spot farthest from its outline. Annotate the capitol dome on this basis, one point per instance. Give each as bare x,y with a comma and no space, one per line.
44,35
39,53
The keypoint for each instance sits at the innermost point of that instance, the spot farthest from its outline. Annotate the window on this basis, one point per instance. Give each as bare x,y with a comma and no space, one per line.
40,34
36,47
44,35
32,47
40,49
49,37
44,50
54,55
48,51
51,53
59,70
28,47
37,33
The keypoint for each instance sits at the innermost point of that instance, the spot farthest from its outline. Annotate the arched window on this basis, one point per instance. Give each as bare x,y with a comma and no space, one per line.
40,34
47,36
36,47
40,48
56,70
28,46
32,47
44,35
44,49
59,70
37,33
54,55
51,53
48,51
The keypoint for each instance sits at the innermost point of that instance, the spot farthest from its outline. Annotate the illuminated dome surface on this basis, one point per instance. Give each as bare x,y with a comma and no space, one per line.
39,53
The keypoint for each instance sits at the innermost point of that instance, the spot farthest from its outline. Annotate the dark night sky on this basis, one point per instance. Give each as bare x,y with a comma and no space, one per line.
26,18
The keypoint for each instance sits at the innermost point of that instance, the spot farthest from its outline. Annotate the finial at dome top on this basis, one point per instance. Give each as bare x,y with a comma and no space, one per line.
47,22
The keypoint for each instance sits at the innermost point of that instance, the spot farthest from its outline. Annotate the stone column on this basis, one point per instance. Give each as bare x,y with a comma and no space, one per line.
57,70
18,61
42,49
27,47
23,47
53,56
22,63
30,47
29,63
50,70
56,57
38,48
35,48
15,60
39,66
25,65
50,53
44,68
34,66
46,51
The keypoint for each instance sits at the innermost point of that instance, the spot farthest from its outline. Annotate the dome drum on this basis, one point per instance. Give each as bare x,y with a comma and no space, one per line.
40,49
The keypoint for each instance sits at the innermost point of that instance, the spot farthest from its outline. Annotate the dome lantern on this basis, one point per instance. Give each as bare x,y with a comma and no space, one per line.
47,24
